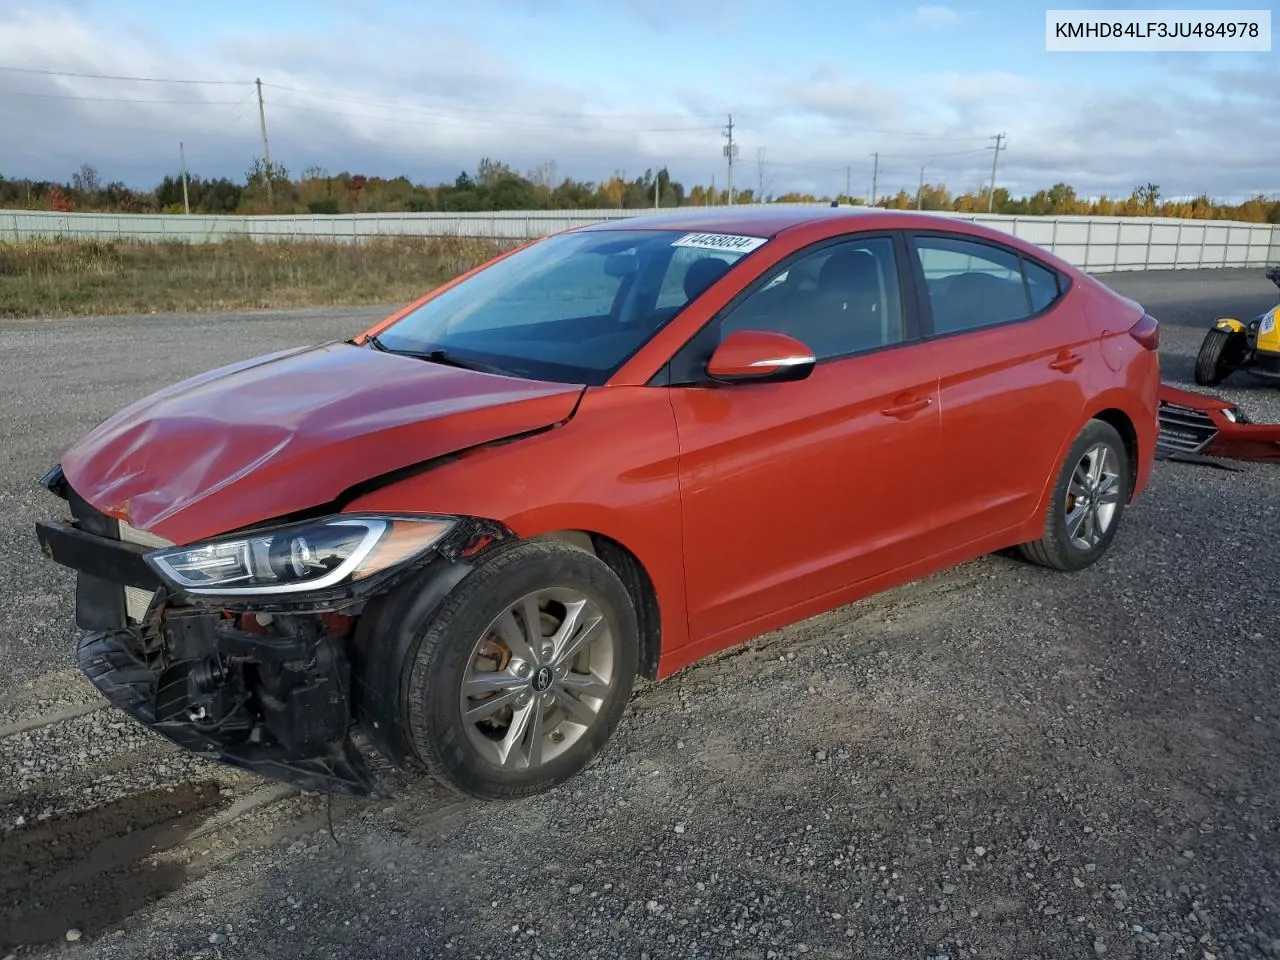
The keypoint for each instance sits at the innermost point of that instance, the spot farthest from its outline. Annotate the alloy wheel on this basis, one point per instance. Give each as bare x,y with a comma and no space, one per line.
538,678
1093,497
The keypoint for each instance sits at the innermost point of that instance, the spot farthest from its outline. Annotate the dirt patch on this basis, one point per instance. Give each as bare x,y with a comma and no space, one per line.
89,871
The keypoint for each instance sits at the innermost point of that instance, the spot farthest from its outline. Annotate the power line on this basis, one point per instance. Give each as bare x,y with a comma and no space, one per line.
441,118
103,76
453,109
837,168
902,134
446,120
71,96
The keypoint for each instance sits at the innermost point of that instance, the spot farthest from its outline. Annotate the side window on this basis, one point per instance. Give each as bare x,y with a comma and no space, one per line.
971,285
1042,285
840,299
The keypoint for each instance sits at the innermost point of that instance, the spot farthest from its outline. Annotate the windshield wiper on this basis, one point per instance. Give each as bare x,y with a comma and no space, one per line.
435,355
453,360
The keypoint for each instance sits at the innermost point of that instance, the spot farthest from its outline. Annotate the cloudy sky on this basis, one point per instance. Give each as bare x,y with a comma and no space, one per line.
815,88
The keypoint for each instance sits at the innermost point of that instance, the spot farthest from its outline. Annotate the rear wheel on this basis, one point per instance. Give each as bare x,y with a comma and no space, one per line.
521,677
1220,354
1087,502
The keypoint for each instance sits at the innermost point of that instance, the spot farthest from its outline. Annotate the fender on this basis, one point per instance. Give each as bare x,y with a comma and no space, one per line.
1229,325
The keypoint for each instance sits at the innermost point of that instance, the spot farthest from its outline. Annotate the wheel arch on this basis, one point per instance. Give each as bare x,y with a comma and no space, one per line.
1124,426
1109,411
639,584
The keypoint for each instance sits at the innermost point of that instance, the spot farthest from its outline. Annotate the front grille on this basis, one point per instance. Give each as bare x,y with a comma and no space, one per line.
136,601
1183,429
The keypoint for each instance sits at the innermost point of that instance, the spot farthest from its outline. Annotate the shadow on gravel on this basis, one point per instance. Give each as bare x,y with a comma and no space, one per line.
90,871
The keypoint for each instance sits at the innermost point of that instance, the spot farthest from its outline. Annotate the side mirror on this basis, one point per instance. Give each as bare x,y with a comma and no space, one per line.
760,356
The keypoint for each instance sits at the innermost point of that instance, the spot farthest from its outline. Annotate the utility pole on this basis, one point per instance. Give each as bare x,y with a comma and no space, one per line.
848,187
920,190
991,194
760,174
266,147
730,151
875,176
182,154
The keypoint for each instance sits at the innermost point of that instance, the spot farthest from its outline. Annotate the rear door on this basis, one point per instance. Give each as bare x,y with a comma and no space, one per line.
1014,357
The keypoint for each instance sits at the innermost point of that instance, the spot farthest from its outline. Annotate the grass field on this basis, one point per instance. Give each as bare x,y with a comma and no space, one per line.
86,277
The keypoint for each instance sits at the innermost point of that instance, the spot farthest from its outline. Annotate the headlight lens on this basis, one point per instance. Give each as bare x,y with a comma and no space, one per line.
306,556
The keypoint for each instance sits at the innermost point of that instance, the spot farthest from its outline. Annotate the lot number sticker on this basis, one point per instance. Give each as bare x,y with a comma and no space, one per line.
719,241
1269,321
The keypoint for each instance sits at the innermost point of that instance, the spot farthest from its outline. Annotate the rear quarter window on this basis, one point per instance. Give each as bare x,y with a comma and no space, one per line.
1042,284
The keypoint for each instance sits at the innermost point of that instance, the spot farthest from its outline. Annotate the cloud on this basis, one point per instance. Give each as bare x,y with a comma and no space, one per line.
934,16
429,99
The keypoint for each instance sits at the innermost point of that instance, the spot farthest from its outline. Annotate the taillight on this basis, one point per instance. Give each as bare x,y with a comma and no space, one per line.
1147,332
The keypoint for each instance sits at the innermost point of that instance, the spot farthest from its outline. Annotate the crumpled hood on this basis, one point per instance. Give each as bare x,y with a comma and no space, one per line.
292,430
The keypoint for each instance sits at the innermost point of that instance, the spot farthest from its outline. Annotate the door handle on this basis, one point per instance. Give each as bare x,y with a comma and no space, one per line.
907,408
1068,363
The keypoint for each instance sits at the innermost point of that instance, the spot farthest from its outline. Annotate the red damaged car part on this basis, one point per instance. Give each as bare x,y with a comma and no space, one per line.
1194,425
307,425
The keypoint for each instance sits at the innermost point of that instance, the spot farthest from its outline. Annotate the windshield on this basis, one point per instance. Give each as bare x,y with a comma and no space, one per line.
573,307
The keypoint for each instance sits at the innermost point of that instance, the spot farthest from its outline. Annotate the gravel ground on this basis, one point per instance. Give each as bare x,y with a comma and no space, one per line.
998,761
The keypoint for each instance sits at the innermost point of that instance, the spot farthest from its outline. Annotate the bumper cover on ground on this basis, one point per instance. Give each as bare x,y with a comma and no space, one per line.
1194,425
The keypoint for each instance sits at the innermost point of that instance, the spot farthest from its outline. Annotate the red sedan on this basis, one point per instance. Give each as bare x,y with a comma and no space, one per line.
453,542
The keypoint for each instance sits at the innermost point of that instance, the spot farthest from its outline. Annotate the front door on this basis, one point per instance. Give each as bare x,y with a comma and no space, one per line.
792,491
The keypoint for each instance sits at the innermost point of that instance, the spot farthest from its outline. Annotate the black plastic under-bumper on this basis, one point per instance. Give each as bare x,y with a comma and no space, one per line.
116,662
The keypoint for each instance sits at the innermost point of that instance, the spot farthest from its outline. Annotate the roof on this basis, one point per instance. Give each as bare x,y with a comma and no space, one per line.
763,220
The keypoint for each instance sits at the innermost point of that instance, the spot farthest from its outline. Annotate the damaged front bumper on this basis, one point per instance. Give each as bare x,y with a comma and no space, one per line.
299,689
275,704
1194,426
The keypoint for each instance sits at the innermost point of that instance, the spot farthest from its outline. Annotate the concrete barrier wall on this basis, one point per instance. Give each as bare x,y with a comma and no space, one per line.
1097,244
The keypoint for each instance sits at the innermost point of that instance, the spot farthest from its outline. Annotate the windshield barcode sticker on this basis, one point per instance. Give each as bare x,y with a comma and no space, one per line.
719,241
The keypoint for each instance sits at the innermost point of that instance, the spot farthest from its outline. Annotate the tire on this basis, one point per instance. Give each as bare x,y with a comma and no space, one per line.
1059,549
1214,362
448,648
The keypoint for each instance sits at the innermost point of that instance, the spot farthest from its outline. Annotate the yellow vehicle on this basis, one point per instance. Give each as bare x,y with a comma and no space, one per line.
1231,345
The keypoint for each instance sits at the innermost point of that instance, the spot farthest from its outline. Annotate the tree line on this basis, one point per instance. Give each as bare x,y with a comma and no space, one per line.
496,186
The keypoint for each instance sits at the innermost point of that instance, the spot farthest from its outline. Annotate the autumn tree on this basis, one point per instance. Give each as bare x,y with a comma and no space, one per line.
496,186
57,199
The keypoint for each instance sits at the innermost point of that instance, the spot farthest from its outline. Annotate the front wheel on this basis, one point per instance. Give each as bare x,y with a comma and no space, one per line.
1219,356
521,677
1088,499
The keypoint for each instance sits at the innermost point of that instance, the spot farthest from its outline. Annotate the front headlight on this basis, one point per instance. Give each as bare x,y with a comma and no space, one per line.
299,557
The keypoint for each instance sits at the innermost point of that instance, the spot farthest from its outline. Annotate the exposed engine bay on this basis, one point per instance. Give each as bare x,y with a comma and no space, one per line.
288,687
